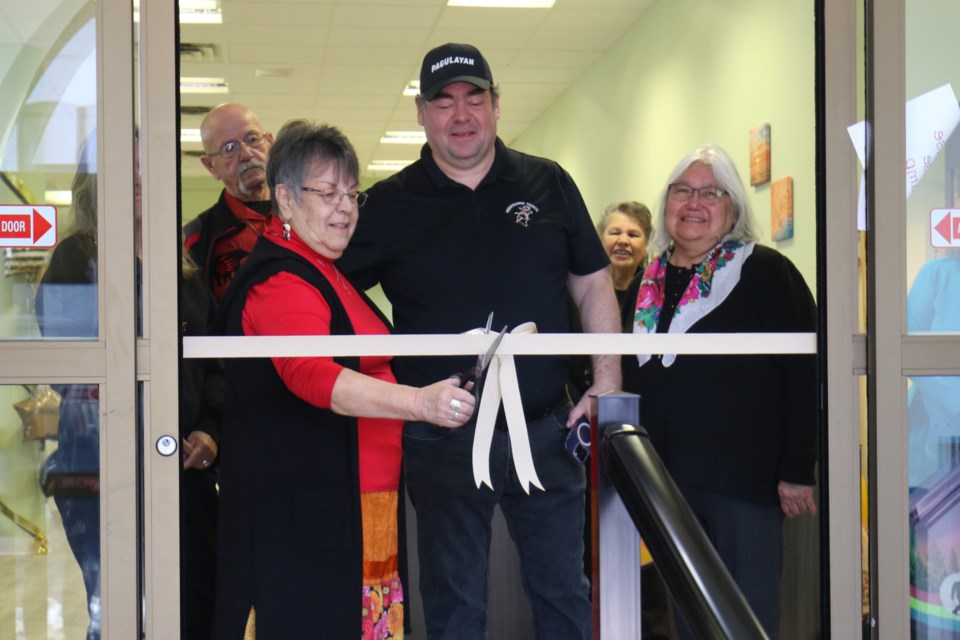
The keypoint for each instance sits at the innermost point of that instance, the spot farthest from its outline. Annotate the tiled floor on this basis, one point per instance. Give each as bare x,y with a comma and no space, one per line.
41,596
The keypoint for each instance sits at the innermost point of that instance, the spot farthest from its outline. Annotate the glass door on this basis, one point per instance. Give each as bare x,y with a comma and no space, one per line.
83,357
915,327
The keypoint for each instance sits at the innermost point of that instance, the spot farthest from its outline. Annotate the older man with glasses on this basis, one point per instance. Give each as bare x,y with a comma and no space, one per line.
235,152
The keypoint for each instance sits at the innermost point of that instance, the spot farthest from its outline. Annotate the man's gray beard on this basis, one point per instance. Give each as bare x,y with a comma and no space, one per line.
249,164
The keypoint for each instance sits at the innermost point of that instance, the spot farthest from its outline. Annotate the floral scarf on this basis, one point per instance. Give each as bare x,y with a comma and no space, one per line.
712,282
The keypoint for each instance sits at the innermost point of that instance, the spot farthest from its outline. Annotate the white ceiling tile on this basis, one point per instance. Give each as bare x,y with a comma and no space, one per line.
361,80
583,40
376,4
514,74
517,20
396,17
280,114
342,114
592,19
406,54
607,4
203,33
277,86
277,13
204,69
290,34
556,58
280,55
350,59
258,101
375,38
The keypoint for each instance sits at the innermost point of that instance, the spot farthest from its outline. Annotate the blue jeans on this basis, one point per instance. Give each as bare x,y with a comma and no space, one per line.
453,528
78,450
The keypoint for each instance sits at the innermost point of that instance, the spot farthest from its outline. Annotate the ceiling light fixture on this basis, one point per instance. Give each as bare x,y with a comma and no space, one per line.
404,137
203,85
502,4
58,197
276,72
190,135
412,88
192,12
388,165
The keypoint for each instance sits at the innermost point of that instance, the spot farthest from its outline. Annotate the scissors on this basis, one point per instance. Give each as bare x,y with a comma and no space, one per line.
475,374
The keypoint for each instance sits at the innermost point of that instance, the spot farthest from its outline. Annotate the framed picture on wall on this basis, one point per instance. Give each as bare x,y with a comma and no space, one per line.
760,155
781,209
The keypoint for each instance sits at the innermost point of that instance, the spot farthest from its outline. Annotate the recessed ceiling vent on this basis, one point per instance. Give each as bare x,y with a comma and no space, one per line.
194,110
199,52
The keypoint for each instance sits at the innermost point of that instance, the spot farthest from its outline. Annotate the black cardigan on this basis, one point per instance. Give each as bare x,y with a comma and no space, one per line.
736,425
291,539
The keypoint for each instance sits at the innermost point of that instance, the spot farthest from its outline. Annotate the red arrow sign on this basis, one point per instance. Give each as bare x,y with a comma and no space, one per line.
27,226
40,226
943,227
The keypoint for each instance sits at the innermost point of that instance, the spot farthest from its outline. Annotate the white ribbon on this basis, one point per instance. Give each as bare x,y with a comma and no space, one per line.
500,383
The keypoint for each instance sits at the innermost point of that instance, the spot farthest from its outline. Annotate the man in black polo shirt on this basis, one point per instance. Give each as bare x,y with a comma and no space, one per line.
474,227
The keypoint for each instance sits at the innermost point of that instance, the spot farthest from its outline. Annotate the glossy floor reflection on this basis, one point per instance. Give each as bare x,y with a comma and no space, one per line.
41,596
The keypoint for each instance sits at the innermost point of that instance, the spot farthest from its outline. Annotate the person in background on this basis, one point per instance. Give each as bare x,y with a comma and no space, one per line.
311,446
235,153
470,228
625,228
933,305
66,307
201,409
738,434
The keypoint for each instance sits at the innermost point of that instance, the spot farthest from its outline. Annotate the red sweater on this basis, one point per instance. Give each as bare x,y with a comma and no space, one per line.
285,305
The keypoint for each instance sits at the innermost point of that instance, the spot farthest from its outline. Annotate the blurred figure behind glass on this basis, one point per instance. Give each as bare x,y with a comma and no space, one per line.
66,307
933,305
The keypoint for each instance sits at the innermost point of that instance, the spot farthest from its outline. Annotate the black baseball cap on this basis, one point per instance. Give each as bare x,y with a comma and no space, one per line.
451,63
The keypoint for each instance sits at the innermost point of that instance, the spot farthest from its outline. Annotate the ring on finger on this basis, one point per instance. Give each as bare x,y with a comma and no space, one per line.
455,405
456,414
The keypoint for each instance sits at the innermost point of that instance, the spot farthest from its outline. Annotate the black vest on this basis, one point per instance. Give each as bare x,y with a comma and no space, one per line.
291,541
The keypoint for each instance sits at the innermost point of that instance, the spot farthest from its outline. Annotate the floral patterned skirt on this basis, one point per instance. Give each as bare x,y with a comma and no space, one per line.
382,591
383,611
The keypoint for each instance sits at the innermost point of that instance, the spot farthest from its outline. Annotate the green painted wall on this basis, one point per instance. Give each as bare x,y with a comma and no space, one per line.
691,72
198,194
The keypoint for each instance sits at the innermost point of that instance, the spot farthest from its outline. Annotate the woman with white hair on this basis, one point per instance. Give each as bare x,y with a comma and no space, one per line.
737,433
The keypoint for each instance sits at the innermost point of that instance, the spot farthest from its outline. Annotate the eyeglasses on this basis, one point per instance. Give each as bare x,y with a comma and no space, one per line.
332,196
683,192
252,140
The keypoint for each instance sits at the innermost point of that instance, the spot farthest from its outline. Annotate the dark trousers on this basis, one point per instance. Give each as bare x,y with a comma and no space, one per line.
749,539
453,529
198,553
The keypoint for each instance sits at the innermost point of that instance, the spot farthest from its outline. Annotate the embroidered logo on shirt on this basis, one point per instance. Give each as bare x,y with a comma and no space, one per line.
523,212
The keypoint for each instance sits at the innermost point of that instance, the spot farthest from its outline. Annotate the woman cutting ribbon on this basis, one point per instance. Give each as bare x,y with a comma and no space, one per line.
310,453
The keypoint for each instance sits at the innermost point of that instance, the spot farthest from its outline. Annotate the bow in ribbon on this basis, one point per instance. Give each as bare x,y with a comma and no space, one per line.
501,384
